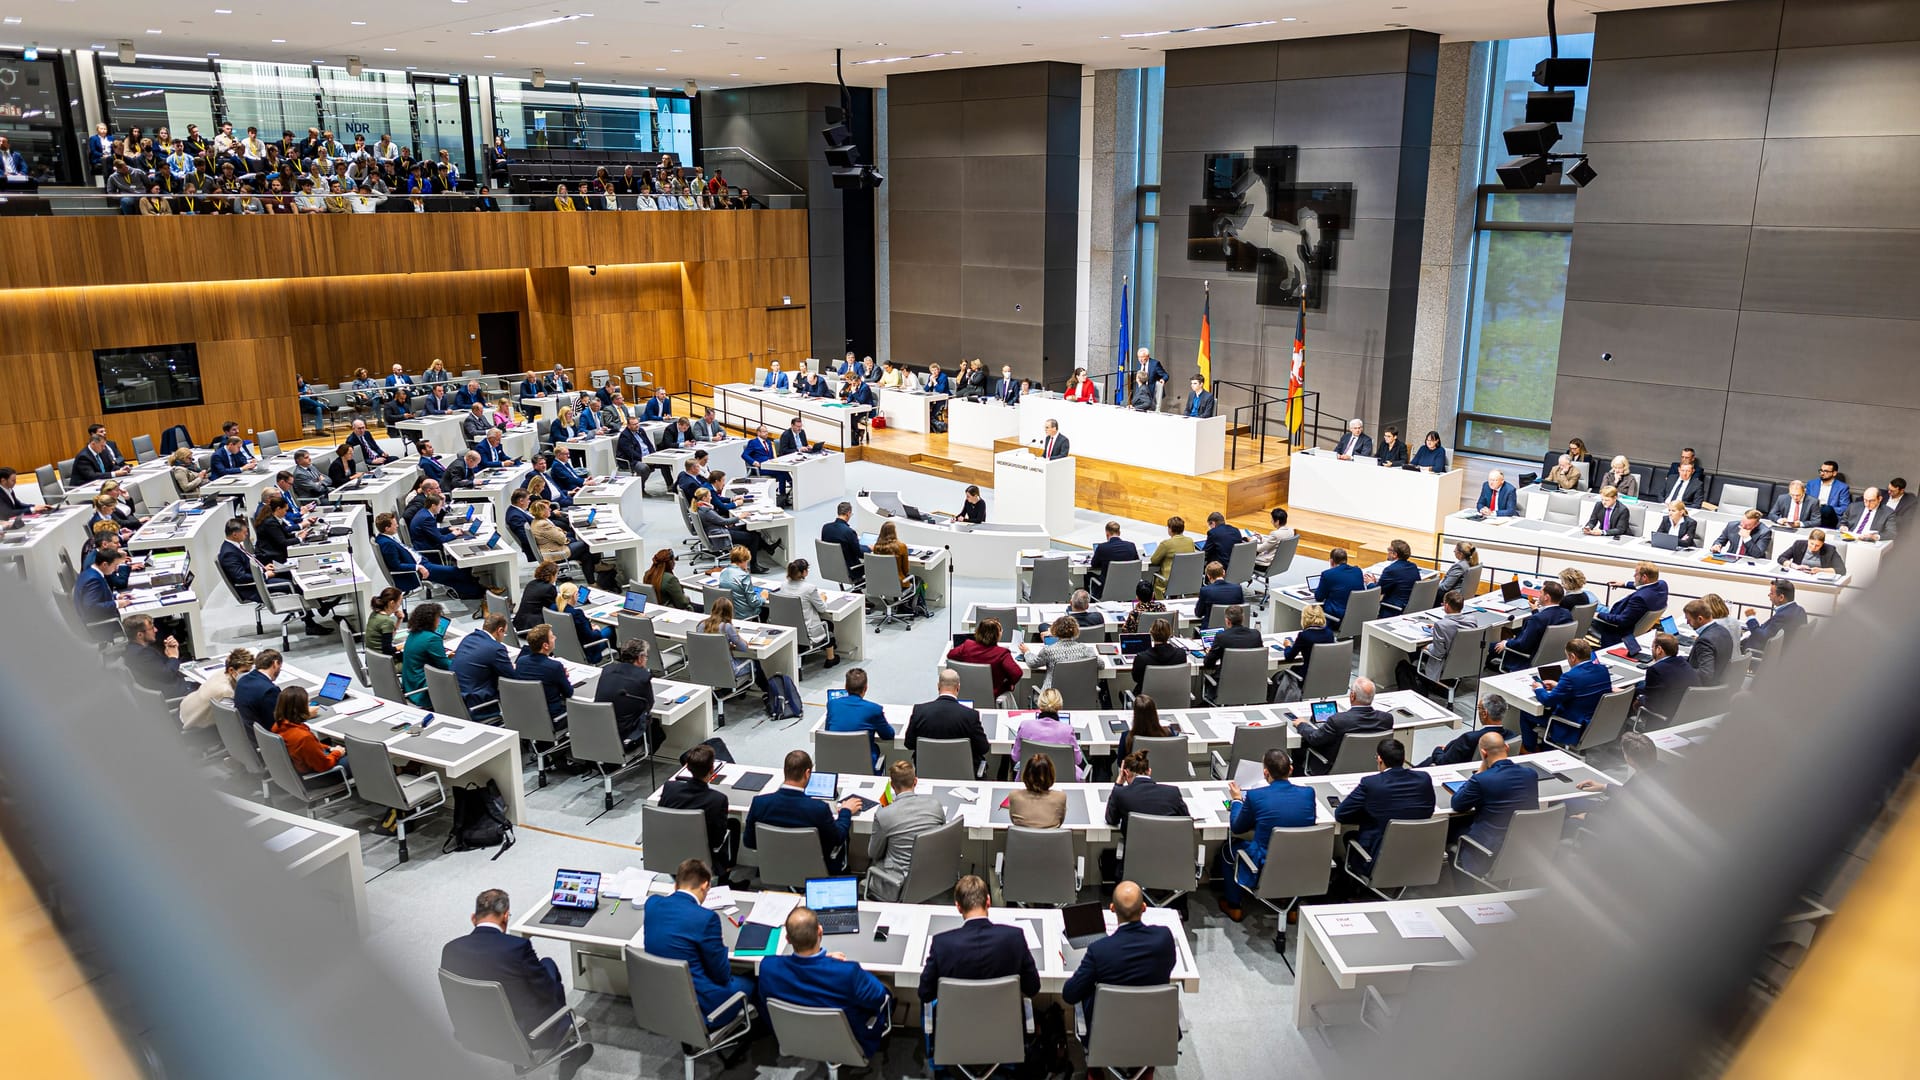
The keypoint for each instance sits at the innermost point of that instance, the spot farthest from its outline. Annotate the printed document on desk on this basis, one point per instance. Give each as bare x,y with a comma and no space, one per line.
1415,923
1346,925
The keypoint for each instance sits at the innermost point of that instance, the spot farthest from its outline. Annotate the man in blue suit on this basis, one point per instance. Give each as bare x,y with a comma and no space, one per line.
1280,804
562,481
470,395
1713,650
257,692
1336,584
1667,677
1788,617
978,949
536,664
398,377
1108,551
1522,649
775,379
1397,578
838,531
1007,388
677,927
1748,537
1218,591
430,467
1569,700
1611,625
1395,793
659,406
1496,497
760,450
1464,747
1220,539
480,662
852,711
493,452
811,978
632,446
425,528
1200,404
1830,494
1492,796
93,597
1135,954
368,445
788,807
532,983
437,403
231,459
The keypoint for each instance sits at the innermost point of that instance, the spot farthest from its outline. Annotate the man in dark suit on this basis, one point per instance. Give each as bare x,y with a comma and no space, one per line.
1491,796
369,447
632,447
11,505
430,467
1871,520
1747,538
1135,792
1713,650
838,531
231,459
1360,719
1569,701
1684,486
153,663
97,460
536,664
1220,539
1496,497
946,718
460,473
1395,793
695,792
1111,550
979,948
810,977
794,439
627,684
1490,714
1337,582
1356,443
493,452
93,597
1135,954
1522,649
256,692
479,662
1788,617
1007,388
1792,507
1217,591
1609,518
1667,677
1200,404
1055,446
1397,578
476,423
1611,625
1813,551
437,403
1237,635
532,983
659,406
789,807
679,927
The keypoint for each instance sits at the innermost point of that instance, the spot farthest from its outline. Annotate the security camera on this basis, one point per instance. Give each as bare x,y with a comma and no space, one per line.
1606,358
692,87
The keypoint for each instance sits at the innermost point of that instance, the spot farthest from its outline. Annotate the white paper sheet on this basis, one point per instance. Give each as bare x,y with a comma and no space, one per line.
1489,913
1345,925
718,898
357,704
772,909
283,841
1007,918
459,735
1415,923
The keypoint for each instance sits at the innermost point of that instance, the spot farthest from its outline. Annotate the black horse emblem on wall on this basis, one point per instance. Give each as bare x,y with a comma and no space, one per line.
1291,244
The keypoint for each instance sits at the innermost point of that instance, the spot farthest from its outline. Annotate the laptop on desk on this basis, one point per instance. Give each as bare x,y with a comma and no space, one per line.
332,692
1665,541
1084,923
835,901
576,896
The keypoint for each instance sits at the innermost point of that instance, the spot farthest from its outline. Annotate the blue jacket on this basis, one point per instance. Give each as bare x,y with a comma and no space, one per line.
657,409
1575,693
400,561
427,532
1435,459
839,532
861,395
851,712
1280,805
940,384
978,949
492,456
1492,795
1200,404
1218,545
551,674
431,469
436,405
1111,551
1396,583
1527,641
1336,584
790,808
1667,679
1465,746
678,928
93,598
1788,618
775,379
1506,505
1839,498
1135,954
237,568
1217,592
480,662
820,981
1401,794
226,463
561,474
1618,621
465,398
757,451
532,983
254,696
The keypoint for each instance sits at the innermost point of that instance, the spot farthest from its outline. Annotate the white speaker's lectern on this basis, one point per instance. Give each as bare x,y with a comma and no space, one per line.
1029,489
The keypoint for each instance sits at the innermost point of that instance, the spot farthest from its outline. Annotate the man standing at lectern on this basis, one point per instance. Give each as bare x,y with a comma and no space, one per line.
1056,446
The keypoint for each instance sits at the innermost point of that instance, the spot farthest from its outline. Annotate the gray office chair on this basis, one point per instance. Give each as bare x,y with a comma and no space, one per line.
1357,754
1241,679
238,743
1608,721
1701,702
785,610
1423,596
1363,606
1470,583
143,450
65,468
1121,580
1563,508
484,1024
896,603
1299,863
269,443
1059,753
1051,583
1282,562
1327,670
1039,867
1136,1029
1165,854
1172,755
1240,564
1738,496
710,663
443,694
843,752
976,684
288,605
310,790
831,558
410,797
1379,1009
385,673
1216,616
935,867
986,1021
1465,661
821,1034
596,738
662,660
664,1004
1553,645
1184,573
788,857
944,759
523,710
1251,744
1412,855
1583,617
355,659
1010,629
670,837
566,636
1169,685
1078,682
1532,841
52,491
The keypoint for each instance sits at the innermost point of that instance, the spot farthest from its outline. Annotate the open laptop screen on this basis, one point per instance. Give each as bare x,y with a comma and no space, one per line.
576,888
334,689
828,894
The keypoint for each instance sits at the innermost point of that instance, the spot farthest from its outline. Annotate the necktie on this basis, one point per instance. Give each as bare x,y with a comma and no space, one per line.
1795,516
1049,450
1678,483
1606,519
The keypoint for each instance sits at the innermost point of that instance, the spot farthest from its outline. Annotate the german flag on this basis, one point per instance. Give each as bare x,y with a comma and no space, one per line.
1205,358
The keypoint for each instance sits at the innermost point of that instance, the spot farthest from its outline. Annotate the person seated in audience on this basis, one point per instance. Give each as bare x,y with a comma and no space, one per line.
152,661
493,451
1160,652
1236,635
895,828
1712,655
426,647
1313,631
852,711
1111,550
1338,582
359,438
1356,443
1035,804
694,791
789,807
1136,792
97,460
384,621
106,511
1520,651
1360,718
1484,806
1065,647
593,639
1465,558
1080,609
1573,584
1391,452
1393,793
774,379
436,403
659,406
794,440
678,926
1490,714
1685,486
1748,537
1397,578
1278,804
10,504
1134,954
1621,478
1721,613
1871,520
979,949
232,459
1431,456
196,709
973,508
432,537
1567,703
532,983
1218,591
1831,496
812,977
1681,524
1609,518
627,685
274,536
551,541
1047,728
816,630
1496,497
1812,553
1667,678
501,415
666,587
536,664
985,648
1565,475
1220,539
719,620
1176,543
946,716
256,692
1612,624
892,376
1143,604
291,711
1266,547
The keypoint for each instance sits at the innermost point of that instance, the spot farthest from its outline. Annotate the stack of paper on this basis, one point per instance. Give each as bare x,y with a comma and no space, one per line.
634,884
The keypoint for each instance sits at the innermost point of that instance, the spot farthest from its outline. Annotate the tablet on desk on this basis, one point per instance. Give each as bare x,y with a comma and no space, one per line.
1453,786
823,785
1323,711
1550,672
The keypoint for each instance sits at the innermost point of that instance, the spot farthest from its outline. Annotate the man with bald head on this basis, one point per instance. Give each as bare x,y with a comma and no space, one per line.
1134,954
814,978
1486,803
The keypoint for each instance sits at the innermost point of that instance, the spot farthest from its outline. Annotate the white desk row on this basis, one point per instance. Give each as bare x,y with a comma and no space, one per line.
324,855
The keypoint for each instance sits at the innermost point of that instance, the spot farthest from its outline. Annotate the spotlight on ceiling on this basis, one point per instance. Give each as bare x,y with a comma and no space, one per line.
126,52
1582,173
353,67
1525,140
1550,107
539,78
1531,144
1523,173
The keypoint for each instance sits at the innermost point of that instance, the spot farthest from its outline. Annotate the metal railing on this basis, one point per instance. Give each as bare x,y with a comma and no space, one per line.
76,201
712,157
1257,414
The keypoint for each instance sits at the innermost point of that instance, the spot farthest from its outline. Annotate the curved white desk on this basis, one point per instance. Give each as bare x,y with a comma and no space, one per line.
989,551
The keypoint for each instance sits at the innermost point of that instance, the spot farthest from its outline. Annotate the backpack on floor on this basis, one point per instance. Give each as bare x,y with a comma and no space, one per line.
479,820
783,698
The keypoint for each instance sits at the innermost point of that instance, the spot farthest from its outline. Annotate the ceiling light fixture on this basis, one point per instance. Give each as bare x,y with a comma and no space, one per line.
537,23
279,41
903,59
1201,29
389,48
11,20
358,22
222,11
156,31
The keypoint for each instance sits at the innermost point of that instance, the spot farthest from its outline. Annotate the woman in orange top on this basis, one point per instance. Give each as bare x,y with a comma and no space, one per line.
290,715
